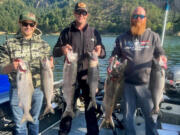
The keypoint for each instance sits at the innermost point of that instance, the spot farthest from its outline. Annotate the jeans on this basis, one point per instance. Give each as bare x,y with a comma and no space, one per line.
138,95
26,128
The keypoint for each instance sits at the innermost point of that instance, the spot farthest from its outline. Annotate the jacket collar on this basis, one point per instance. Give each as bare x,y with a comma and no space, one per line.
73,26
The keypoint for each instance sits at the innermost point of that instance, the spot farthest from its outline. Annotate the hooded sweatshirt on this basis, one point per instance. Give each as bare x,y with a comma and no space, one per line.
139,51
29,50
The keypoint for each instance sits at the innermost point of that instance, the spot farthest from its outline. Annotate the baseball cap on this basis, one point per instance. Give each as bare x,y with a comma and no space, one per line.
80,6
26,15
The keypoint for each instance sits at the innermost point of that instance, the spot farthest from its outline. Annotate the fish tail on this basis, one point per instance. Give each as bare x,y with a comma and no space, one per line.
102,124
155,110
48,109
92,104
27,117
107,124
112,123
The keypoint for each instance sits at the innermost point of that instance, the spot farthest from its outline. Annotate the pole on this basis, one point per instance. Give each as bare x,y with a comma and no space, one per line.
165,21
6,36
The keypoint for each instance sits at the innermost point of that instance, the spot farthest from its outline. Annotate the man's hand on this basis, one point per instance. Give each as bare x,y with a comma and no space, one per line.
163,61
97,49
11,67
15,64
112,63
66,48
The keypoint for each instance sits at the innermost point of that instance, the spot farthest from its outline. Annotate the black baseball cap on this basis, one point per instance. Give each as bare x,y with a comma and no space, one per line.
80,6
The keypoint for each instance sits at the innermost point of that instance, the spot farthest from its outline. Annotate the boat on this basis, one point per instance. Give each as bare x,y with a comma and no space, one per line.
168,122
6,123
4,88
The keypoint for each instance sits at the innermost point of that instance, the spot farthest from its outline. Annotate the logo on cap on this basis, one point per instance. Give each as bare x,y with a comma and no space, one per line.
31,15
82,5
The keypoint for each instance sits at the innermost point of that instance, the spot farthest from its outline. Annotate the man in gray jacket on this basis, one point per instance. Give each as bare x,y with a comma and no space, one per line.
139,46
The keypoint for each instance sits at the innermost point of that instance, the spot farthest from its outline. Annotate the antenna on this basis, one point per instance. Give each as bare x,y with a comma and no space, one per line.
165,21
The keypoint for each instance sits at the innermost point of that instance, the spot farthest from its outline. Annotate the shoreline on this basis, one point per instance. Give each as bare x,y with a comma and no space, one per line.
54,33
177,34
2,33
104,34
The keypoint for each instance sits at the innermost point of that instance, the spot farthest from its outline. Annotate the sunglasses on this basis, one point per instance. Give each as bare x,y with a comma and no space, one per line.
136,16
79,12
25,24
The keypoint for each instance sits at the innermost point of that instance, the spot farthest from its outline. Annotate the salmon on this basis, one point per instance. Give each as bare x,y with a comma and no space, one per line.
25,90
93,77
47,80
69,81
157,84
113,85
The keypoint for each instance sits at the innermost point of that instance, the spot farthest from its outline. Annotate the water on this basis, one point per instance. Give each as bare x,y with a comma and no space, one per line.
171,46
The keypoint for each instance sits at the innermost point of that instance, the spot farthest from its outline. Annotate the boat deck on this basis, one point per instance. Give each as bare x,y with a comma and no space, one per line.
49,125
79,124
170,123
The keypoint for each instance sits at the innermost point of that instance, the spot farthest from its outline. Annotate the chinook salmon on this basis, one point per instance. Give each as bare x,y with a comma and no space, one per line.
113,85
25,90
69,80
93,76
157,84
47,84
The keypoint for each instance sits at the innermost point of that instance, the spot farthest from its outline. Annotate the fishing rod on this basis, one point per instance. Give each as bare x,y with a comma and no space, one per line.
167,7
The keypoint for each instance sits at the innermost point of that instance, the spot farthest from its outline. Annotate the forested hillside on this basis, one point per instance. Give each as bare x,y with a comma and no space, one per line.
108,16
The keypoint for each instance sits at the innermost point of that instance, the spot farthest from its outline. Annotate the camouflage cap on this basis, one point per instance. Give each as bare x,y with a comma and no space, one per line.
80,6
27,16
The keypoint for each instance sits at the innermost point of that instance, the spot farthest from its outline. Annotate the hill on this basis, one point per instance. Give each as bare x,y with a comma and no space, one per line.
108,16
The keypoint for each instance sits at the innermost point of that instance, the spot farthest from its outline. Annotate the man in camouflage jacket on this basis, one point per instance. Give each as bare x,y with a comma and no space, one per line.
28,46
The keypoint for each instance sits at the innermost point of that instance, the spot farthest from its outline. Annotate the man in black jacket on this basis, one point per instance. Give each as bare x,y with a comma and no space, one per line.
81,38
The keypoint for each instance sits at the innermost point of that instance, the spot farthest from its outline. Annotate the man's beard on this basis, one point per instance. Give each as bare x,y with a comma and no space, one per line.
138,28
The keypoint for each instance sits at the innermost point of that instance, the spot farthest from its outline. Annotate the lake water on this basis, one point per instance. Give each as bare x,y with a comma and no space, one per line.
171,46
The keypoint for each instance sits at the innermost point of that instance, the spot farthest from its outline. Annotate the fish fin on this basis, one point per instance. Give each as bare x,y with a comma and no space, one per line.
68,113
27,117
107,124
102,124
92,104
112,123
20,104
48,109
